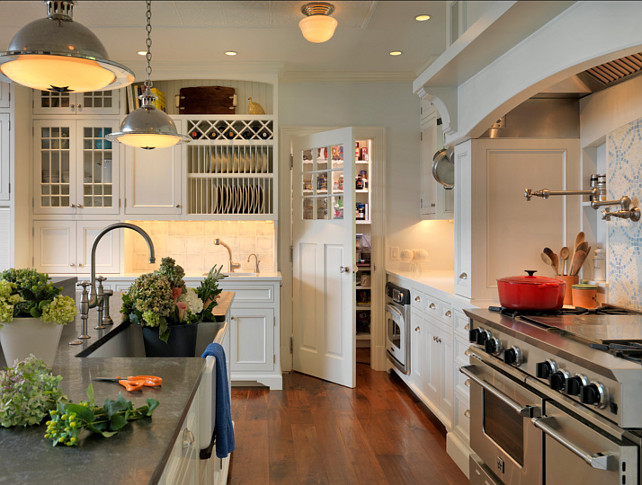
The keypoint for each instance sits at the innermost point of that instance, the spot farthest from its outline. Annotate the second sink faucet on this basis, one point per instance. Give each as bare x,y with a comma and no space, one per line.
231,265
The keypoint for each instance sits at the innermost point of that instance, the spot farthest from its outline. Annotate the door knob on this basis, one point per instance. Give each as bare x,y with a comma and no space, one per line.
344,269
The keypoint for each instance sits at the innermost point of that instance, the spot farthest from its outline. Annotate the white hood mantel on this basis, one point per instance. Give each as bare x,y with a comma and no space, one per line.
578,37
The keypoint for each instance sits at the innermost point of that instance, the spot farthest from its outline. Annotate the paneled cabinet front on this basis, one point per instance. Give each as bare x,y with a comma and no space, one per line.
91,103
252,344
153,181
65,247
5,160
75,168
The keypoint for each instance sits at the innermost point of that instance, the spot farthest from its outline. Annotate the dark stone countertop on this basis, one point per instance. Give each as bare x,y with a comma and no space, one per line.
138,453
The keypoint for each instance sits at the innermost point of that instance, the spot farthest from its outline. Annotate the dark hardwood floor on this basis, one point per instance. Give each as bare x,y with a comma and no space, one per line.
317,432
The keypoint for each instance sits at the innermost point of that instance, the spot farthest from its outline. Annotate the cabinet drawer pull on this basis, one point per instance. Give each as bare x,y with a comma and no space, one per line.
467,326
417,298
463,276
80,206
432,306
178,206
73,206
467,413
467,383
344,269
188,438
448,313
80,107
438,340
80,265
417,329
467,352
72,264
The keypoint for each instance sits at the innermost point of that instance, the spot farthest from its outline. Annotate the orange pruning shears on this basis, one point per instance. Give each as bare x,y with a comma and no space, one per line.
134,383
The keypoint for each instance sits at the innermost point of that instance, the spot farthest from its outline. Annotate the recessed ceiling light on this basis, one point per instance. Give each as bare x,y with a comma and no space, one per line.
230,53
395,53
422,18
142,53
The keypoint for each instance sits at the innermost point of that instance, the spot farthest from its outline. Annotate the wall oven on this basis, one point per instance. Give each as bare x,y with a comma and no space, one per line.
398,326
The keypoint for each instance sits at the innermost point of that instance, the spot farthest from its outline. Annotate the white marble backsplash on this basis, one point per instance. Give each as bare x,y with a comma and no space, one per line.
191,244
624,177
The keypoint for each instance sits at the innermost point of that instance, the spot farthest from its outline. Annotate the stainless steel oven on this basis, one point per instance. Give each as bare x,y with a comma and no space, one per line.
501,431
398,326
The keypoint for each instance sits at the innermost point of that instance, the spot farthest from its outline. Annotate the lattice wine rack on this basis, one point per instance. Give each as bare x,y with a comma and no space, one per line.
230,129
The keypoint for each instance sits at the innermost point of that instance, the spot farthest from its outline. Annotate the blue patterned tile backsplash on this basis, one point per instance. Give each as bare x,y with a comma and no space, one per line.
624,177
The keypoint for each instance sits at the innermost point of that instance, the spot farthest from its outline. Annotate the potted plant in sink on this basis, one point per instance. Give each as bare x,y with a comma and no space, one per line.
32,315
168,311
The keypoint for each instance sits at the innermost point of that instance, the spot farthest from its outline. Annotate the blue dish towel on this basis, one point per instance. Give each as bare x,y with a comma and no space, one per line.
223,428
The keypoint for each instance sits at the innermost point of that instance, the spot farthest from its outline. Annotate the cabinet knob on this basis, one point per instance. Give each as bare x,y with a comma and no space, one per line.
467,383
344,269
417,298
72,264
432,204
188,438
463,276
80,206
178,206
432,306
73,206
80,107
467,326
73,107
417,329
80,265
467,413
448,313
467,352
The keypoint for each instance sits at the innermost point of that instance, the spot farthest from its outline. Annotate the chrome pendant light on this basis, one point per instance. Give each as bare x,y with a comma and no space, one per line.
148,127
59,55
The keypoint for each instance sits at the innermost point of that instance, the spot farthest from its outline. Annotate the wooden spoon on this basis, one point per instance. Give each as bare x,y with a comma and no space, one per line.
565,252
554,259
578,261
583,246
579,239
546,258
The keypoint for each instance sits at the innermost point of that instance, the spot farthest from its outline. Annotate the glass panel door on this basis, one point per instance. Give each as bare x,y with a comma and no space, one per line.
54,175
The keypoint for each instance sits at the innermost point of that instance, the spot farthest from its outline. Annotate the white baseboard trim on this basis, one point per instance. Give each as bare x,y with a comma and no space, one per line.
459,451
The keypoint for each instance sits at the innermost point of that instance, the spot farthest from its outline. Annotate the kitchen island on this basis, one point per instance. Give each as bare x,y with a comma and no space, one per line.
138,454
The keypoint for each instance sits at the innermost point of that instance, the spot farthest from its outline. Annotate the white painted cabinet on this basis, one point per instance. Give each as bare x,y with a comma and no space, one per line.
490,177
418,355
65,247
439,369
76,171
183,465
5,99
153,181
5,157
254,331
435,201
91,103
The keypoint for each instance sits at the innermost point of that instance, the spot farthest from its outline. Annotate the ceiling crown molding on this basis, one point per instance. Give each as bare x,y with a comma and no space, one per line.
345,76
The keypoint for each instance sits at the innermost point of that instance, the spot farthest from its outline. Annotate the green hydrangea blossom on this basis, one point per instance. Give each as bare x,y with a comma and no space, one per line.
151,319
61,310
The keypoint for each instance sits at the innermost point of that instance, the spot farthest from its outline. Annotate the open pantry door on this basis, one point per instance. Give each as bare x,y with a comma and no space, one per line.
323,230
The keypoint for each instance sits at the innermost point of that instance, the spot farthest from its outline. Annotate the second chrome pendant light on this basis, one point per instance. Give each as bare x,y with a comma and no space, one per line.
148,127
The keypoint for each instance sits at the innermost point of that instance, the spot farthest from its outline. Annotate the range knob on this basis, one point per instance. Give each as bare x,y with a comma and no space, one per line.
513,356
573,385
493,346
482,336
543,370
558,380
472,335
595,394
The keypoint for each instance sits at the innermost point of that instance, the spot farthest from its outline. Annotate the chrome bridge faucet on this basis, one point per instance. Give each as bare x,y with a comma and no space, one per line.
231,265
97,297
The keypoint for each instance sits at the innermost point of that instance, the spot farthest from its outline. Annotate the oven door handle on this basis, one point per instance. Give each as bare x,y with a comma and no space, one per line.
527,411
600,461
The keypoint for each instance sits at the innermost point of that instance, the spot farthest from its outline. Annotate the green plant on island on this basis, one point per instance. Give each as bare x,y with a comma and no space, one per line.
161,299
28,391
27,293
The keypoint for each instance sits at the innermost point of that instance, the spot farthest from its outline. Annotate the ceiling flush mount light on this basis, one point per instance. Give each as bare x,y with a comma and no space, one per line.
395,53
318,26
422,18
148,127
59,55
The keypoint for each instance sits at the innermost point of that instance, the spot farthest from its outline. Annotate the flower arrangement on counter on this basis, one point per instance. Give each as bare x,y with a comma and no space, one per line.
27,293
161,299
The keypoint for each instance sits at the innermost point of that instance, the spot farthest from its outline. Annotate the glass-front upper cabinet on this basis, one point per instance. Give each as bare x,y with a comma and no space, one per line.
76,169
91,103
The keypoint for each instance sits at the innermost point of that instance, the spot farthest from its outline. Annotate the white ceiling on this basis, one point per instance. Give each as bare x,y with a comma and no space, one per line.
263,33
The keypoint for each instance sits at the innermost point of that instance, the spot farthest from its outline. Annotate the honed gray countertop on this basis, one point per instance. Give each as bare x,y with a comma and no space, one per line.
138,453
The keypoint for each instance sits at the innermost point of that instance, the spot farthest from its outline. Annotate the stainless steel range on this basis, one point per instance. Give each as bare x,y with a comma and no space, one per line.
555,398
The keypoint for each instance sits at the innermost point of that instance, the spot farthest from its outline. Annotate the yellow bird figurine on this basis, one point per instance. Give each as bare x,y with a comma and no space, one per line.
254,108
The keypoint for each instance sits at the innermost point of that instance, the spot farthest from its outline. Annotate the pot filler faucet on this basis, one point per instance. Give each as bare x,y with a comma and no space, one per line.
231,265
97,297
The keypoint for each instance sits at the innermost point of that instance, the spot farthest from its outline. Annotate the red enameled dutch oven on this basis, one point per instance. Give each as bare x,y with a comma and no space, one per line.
531,292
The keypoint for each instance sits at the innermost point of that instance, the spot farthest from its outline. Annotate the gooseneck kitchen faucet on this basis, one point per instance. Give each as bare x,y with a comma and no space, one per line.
96,297
231,265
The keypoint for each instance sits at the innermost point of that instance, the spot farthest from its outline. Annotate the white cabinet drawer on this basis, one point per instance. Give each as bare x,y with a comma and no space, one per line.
461,345
432,307
462,412
461,323
182,464
462,382
252,293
